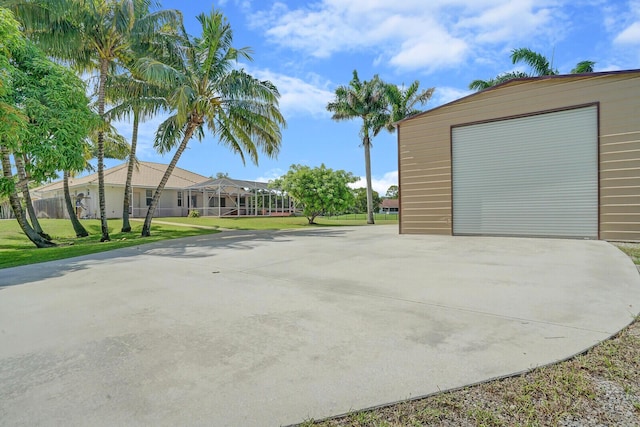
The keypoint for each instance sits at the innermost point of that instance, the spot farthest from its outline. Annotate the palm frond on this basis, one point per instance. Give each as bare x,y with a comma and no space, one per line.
583,67
538,63
168,135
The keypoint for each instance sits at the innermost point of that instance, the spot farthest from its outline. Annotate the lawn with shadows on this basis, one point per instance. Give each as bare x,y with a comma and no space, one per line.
276,222
16,249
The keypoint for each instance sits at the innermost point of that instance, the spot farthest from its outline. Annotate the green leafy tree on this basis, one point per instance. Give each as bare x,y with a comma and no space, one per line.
360,200
318,190
38,100
208,93
365,100
92,35
392,192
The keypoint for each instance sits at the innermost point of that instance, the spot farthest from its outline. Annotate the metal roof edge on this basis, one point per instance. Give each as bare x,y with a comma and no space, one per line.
519,81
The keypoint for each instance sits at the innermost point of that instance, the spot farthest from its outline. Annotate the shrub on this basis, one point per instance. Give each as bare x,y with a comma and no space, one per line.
194,214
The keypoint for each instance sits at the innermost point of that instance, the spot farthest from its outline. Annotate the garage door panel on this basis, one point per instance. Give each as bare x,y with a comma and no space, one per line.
533,176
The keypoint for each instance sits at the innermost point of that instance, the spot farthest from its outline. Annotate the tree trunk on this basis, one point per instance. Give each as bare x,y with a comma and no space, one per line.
367,166
23,185
126,227
77,226
103,210
191,127
37,240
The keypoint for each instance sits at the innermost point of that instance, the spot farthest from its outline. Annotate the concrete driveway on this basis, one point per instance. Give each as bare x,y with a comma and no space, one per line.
275,327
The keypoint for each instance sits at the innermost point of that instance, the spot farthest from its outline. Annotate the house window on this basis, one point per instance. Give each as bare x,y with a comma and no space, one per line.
149,197
179,198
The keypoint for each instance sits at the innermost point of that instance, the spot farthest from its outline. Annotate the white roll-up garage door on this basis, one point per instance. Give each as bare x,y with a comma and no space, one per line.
529,176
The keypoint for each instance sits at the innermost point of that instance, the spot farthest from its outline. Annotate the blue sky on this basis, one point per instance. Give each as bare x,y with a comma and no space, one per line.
308,48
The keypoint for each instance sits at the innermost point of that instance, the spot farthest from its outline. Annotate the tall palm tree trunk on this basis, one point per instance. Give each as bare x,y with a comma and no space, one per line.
23,185
101,198
367,166
37,239
126,227
146,228
77,226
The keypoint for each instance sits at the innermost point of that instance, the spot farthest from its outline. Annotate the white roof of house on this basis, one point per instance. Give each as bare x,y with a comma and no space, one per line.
145,175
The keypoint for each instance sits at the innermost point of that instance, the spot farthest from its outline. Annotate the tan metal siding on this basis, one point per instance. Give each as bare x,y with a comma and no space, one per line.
425,180
424,150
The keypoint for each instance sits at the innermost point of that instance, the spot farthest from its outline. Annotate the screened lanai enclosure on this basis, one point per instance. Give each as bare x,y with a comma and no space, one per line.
226,197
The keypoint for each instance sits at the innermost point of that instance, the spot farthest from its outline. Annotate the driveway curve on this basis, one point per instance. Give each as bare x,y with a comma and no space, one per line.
276,327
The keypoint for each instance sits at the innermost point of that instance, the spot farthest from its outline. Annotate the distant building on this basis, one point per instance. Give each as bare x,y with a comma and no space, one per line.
389,206
183,192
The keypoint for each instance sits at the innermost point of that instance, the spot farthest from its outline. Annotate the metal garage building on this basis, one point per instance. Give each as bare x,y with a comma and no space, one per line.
555,156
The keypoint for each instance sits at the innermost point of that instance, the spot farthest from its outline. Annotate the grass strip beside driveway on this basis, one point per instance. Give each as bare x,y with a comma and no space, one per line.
17,250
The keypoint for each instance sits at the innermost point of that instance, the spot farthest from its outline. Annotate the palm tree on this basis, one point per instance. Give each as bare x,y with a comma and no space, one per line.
141,99
501,78
16,206
403,101
92,35
365,100
23,183
583,67
539,64
115,147
208,93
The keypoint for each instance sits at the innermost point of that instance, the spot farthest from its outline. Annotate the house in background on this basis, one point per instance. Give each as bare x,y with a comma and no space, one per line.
234,197
184,191
389,206
146,177
555,156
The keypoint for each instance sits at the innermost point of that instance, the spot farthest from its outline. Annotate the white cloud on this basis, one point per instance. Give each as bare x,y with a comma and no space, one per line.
630,35
379,184
506,21
271,174
409,34
622,21
439,50
297,96
444,95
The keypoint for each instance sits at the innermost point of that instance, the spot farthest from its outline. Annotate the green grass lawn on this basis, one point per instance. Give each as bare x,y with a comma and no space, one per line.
384,218
16,249
632,250
274,222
